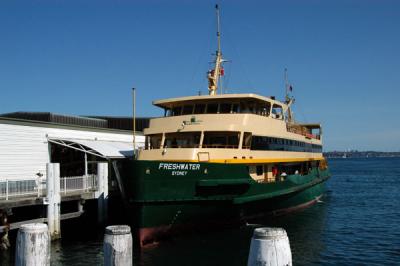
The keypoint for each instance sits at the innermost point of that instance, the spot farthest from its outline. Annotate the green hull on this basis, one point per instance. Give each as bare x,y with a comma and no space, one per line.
170,197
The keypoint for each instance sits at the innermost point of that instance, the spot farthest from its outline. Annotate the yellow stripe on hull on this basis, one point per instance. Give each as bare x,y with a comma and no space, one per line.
252,161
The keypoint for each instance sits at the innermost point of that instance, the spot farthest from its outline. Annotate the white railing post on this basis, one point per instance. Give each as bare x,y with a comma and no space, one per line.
84,181
65,185
38,184
6,189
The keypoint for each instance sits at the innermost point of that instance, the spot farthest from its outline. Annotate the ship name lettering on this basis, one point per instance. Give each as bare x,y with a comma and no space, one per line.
179,172
179,166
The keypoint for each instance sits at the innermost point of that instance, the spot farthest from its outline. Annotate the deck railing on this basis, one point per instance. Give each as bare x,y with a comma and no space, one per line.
78,183
24,188
18,188
221,146
301,130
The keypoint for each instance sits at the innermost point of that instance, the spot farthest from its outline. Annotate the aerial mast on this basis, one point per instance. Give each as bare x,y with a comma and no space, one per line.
288,100
213,75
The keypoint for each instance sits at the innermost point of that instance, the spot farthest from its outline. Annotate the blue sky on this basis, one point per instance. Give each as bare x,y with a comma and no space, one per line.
82,57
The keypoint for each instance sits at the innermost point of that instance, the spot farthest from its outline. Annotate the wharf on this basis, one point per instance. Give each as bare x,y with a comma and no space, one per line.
36,195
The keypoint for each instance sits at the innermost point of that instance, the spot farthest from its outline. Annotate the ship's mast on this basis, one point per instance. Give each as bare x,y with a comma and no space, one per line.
214,74
288,100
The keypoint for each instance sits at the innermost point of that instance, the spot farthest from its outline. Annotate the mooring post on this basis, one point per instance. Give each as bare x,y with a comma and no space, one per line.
54,200
102,197
33,245
117,246
270,246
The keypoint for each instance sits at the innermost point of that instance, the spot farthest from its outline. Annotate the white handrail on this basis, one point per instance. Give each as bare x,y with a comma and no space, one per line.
78,183
22,188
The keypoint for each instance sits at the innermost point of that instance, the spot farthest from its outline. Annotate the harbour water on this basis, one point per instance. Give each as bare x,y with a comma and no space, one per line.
357,223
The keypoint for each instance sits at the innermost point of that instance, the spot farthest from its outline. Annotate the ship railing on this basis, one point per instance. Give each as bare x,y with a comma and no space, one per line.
300,130
11,189
182,146
220,146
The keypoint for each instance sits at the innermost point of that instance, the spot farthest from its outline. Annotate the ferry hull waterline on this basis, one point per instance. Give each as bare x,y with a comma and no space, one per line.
222,159
168,202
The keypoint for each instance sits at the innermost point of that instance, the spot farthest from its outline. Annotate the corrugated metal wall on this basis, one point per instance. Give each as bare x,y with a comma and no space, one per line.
23,152
24,149
113,122
58,118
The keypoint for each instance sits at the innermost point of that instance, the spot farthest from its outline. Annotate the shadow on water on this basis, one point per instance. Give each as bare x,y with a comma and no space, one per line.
231,246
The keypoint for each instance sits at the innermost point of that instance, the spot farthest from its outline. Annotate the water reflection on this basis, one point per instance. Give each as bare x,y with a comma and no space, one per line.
231,246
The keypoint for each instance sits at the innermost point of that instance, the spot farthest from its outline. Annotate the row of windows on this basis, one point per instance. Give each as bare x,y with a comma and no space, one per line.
211,139
228,140
280,144
259,108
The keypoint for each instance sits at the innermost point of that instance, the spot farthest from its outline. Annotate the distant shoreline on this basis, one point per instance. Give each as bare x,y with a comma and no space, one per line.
361,154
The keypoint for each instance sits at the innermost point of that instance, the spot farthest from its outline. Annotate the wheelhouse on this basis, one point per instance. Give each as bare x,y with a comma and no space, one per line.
228,104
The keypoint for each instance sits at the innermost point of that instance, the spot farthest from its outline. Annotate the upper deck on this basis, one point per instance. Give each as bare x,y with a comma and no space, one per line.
170,102
229,121
242,106
223,104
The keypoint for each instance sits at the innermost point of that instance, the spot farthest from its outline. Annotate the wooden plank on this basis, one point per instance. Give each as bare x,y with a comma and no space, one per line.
17,225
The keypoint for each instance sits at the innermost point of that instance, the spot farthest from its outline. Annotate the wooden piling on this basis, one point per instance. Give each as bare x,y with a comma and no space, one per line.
102,196
33,245
117,246
54,199
270,246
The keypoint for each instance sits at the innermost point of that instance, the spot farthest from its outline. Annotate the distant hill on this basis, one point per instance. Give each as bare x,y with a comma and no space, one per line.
360,154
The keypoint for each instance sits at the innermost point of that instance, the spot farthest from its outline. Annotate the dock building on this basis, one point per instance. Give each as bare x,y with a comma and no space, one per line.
76,145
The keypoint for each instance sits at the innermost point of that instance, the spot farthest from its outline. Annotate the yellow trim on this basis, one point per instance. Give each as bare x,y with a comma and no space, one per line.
252,161
272,160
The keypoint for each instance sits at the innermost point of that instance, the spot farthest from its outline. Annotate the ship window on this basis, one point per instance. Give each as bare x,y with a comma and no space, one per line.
187,110
233,140
167,112
177,110
248,107
225,108
277,111
244,108
235,108
217,139
260,143
246,140
259,170
153,141
212,108
258,109
199,108
182,140
265,109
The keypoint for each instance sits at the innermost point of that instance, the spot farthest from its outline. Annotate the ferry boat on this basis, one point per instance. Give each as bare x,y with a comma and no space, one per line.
222,158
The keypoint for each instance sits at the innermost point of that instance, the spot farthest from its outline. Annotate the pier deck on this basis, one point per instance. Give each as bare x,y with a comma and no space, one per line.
33,192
